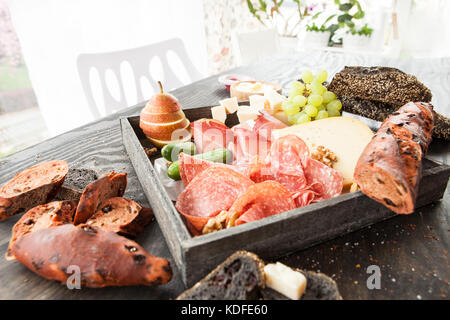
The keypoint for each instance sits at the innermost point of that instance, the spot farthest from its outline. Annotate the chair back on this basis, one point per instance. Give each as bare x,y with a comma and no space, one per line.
110,68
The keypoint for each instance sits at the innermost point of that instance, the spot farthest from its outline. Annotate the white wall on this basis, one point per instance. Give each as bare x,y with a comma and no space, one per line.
53,33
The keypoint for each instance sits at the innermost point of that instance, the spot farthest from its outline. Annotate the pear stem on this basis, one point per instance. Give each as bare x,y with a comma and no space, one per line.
160,86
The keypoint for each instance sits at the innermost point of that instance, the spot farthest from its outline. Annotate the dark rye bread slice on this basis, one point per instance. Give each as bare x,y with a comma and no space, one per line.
116,260
75,182
108,186
379,111
45,216
31,187
318,287
122,216
382,84
239,277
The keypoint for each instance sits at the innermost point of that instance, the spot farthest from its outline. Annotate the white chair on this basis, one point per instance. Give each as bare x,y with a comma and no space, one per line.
256,45
140,60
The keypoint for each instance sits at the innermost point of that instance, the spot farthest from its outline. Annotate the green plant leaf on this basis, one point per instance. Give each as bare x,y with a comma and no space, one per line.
344,17
351,24
359,15
333,28
345,6
250,7
263,5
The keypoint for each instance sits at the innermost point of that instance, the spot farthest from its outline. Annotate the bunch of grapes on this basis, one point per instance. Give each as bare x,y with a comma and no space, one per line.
310,100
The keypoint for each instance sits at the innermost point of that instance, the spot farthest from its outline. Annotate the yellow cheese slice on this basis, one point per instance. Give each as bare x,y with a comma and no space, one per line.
344,136
219,113
230,104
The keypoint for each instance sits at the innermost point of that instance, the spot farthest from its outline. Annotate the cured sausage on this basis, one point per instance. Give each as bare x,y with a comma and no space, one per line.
108,186
122,216
42,217
259,201
31,187
103,257
390,167
213,190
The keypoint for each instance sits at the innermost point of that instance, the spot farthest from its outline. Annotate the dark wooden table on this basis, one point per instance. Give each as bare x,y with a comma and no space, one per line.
411,251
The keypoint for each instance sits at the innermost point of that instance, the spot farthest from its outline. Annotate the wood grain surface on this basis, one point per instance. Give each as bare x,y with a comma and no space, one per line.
411,251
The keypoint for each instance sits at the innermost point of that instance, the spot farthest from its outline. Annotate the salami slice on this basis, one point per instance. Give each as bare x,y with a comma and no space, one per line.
259,201
210,134
323,180
213,190
33,186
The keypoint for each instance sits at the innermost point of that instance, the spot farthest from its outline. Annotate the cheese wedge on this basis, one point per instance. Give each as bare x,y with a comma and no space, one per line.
282,116
219,113
275,100
286,281
230,104
344,136
258,102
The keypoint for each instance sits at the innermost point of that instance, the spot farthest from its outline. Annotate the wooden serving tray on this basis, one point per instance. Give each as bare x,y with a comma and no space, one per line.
270,237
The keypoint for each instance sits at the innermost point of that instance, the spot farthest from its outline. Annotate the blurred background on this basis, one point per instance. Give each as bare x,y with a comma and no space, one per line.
58,56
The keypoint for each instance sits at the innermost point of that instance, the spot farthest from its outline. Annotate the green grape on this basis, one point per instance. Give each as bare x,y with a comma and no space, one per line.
292,119
310,110
322,76
289,108
322,107
322,114
334,105
333,113
297,85
303,118
315,100
307,76
293,92
317,88
299,101
328,96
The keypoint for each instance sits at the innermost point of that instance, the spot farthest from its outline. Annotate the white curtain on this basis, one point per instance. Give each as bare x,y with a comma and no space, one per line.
53,33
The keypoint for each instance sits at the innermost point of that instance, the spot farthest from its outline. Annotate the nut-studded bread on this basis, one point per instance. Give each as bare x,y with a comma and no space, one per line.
239,277
108,186
103,257
382,84
75,182
31,187
45,216
122,216
379,111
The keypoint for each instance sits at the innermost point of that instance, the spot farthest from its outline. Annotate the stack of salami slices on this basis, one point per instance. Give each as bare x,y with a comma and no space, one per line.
51,236
259,183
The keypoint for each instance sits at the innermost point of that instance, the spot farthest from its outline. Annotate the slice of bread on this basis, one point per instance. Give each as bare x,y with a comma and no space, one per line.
45,216
75,182
122,216
31,187
239,277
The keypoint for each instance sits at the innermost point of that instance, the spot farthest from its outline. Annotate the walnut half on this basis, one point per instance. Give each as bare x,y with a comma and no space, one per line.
215,223
324,155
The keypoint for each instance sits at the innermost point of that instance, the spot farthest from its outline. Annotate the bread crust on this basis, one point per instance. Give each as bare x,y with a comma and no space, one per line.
104,258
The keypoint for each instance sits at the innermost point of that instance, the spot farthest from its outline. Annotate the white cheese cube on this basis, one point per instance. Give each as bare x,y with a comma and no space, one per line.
286,281
219,113
258,102
230,104
246,113
275,100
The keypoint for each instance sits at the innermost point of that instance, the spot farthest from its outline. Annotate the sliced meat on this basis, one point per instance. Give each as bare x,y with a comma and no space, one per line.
210,134
42,217
390,167
259,201
108,186
122,216
31,187
104,258
324,181
249,144
213,190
